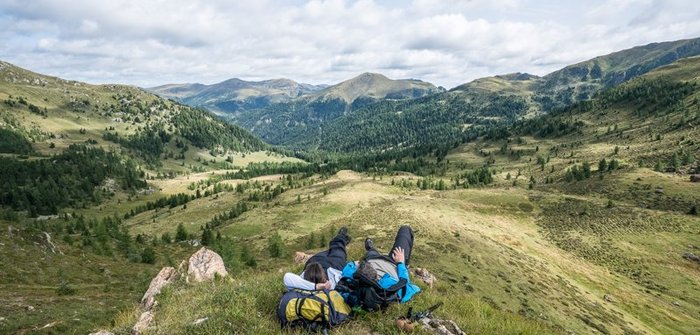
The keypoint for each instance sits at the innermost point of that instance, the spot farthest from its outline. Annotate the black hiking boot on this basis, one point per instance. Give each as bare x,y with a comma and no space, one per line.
369,245
344,232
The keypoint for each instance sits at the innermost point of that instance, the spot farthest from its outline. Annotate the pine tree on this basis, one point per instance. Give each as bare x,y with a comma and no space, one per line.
322,240
441,185
586,170
207,236
247,257
274,245
311,242
602,166
181,233
148,255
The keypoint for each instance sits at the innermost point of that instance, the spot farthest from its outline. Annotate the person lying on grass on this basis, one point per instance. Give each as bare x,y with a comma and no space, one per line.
325,269
384,273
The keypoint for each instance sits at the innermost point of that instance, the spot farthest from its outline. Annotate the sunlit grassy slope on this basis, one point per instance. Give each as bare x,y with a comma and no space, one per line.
499,267
31,274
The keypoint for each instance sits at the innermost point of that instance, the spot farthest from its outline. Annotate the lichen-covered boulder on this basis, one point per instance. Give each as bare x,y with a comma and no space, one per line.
204,265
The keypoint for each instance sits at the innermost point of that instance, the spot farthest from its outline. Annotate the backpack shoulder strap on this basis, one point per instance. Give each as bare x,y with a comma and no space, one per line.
400,285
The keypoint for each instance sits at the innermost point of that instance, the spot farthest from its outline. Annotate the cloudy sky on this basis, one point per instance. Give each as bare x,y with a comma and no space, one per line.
147,43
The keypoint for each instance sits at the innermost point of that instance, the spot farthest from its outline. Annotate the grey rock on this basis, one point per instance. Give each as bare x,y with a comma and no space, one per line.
199,321
102,332
691,257
143,323
166,276
441,327
204,265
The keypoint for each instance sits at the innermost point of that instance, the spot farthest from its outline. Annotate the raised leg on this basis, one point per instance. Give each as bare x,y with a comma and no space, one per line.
337,255
404,239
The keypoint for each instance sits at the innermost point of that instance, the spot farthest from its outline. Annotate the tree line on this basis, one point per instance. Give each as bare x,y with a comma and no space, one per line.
68,179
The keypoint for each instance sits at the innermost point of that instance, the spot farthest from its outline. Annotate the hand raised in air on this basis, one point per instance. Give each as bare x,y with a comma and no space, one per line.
398,255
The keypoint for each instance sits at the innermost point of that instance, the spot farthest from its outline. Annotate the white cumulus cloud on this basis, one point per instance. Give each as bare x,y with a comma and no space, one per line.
149,43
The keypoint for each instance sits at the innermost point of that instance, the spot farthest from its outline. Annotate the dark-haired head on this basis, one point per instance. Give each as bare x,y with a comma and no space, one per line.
366,269
314,273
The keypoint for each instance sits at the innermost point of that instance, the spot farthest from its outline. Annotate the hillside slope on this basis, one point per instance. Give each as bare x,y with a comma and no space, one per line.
133,134
266,111
234,96
78,159
52,113
583,80
580,221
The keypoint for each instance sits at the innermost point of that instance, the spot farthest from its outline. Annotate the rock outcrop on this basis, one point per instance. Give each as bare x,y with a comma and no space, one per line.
691,257
425,276
204,265
143,323
48,244
166,276
441,327
102,332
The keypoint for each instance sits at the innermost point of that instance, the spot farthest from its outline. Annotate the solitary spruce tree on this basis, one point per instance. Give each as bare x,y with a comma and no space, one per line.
181,234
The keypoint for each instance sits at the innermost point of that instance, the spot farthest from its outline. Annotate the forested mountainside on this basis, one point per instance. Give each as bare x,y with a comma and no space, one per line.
235,97
299,104
455,115
61,139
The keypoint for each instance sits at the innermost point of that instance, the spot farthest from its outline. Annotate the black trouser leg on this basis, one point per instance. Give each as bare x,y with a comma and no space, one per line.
404,239
336,256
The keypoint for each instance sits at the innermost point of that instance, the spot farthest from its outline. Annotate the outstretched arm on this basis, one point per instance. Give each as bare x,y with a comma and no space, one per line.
400,258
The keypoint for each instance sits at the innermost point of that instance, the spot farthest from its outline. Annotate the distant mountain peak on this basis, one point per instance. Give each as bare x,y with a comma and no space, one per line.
371,75
518,76
236,92
378,86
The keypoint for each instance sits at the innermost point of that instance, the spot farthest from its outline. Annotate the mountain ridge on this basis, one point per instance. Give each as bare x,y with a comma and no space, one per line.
236,95
589,76
377,86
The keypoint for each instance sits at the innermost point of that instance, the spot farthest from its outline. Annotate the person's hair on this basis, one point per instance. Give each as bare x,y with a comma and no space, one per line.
365,269
314,273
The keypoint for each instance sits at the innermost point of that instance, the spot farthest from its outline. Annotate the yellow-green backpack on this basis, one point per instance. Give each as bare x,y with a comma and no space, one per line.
313,310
